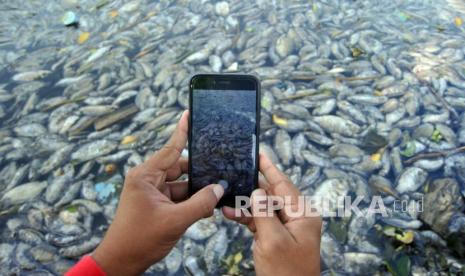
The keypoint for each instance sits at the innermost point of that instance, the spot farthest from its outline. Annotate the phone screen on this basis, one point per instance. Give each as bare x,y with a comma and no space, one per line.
223,144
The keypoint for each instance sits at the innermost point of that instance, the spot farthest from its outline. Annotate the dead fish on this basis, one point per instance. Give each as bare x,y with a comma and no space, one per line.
352,111
69,194
382,185
116,157
298,144
98,54
411,179
367,99
401,223
331,124
320,139
56,159
29,236
23,193
430,165
70,80
316,160
30,130
30,76
97,110
310,176
79,250
201,230
18,176
43,253
356,263
215,249
192,267
330,190
124,96
103,81
346,150
325,107
93,150
58,186
283,146
198,57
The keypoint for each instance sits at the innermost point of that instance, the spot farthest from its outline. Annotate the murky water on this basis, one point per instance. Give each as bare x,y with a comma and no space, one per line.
359,98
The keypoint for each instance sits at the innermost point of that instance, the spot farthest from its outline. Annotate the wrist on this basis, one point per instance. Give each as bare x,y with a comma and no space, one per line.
113,263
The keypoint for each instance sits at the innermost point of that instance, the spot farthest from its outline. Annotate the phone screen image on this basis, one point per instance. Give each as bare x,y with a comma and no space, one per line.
223,144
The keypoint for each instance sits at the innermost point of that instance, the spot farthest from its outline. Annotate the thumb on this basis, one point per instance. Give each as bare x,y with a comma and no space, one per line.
200,205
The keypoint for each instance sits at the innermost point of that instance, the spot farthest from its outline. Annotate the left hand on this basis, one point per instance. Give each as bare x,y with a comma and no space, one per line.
148,221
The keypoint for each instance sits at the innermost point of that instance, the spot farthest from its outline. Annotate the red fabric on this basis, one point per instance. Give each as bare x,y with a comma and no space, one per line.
86,267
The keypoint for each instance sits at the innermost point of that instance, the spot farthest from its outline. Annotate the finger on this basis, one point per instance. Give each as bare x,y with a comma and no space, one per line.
178,169
262,183
239,216
167,156
177,190
280,185
305,229
266,221
200,205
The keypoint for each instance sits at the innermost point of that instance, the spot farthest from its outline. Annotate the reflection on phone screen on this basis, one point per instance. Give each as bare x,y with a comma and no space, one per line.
223,140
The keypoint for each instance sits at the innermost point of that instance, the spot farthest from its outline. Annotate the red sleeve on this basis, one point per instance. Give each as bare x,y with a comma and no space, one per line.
85,267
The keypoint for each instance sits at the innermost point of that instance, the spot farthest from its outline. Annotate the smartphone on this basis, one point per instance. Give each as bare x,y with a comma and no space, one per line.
224,125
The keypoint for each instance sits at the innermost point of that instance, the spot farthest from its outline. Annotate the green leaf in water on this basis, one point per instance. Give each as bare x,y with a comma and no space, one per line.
314,8
72,209
338,228
436,136
409,149
389,231
356,52
249,29
399,265
403,16
232,262
266,103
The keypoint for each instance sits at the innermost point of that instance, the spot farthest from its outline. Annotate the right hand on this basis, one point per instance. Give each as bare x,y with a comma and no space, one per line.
284,244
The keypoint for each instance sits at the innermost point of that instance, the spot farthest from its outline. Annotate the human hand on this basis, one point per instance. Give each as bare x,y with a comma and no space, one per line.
148,222
284,244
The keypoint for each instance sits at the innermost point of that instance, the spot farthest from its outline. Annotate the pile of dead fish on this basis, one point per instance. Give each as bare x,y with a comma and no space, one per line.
222,143
359,98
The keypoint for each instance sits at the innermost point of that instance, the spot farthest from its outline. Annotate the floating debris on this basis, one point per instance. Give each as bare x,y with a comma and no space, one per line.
70,19
104,191
117,116
128,140
83,37
372,142
110,168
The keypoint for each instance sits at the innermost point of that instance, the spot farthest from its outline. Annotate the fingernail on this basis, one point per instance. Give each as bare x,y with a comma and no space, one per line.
218,190
183,114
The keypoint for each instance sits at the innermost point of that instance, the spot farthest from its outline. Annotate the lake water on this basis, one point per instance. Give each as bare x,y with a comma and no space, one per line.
359,99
